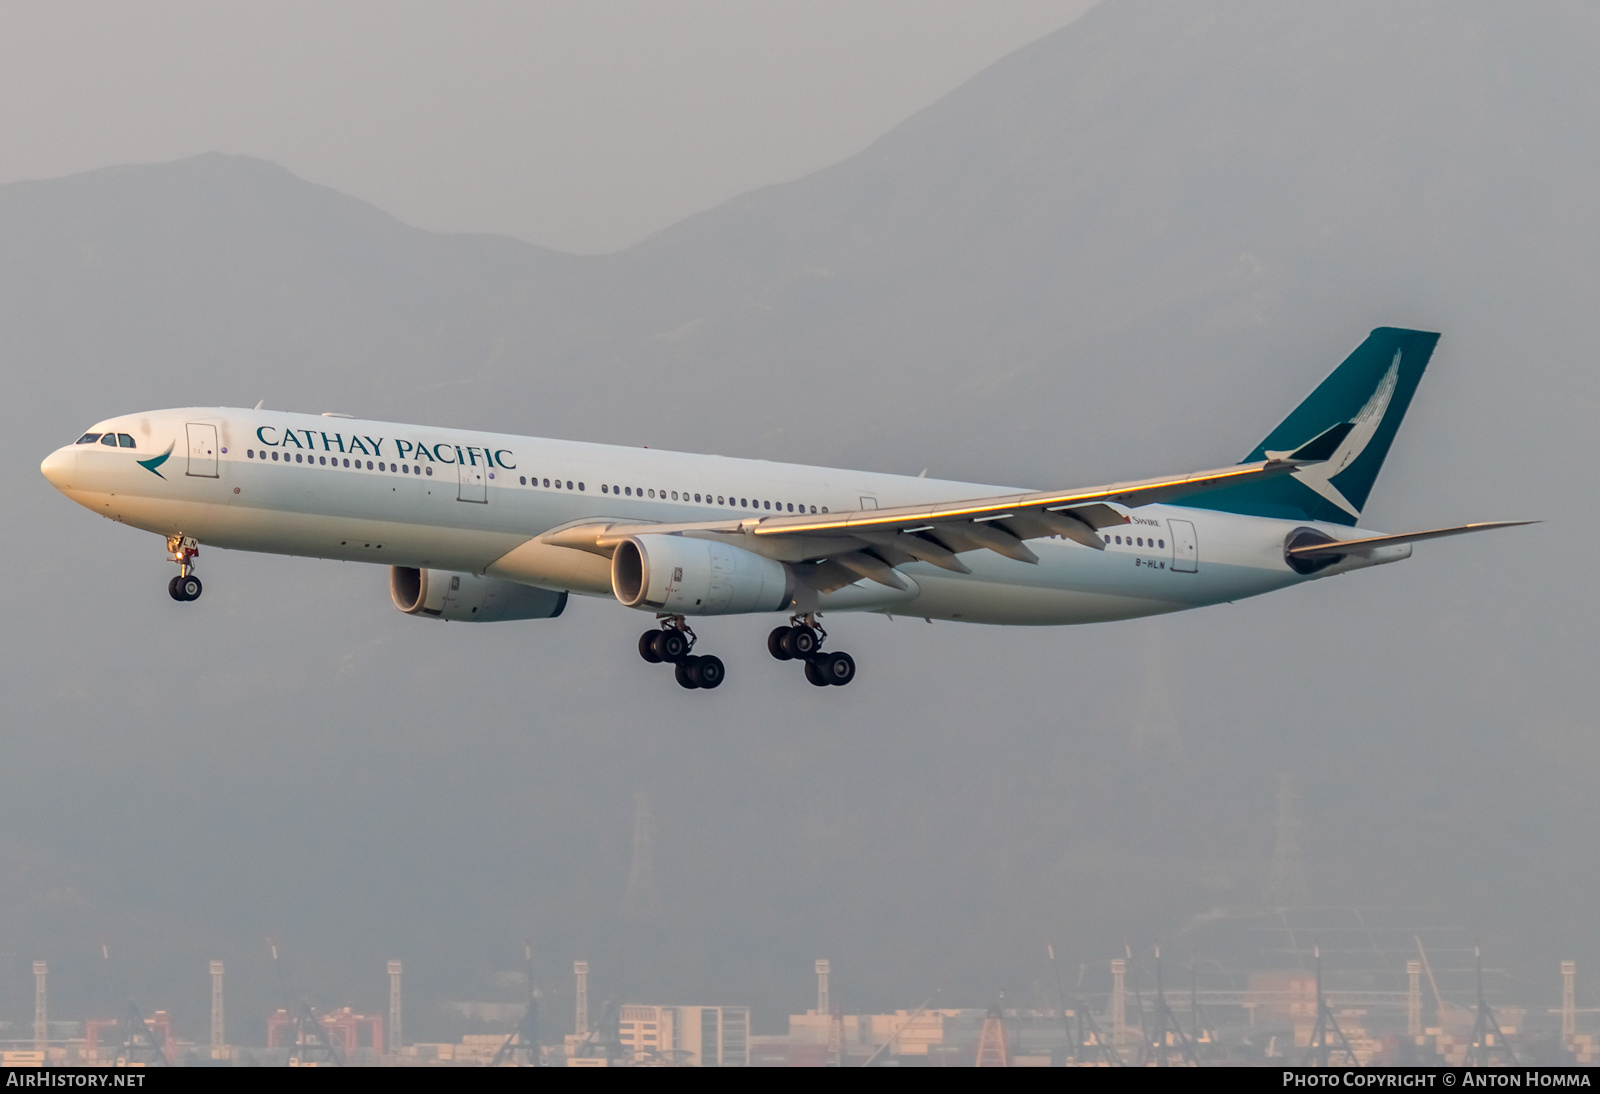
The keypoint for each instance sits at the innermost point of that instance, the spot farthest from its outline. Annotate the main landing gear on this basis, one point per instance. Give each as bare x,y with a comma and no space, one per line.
672,644
186,586
802,640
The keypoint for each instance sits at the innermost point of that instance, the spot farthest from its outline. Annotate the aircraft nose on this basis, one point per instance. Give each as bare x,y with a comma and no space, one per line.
59,466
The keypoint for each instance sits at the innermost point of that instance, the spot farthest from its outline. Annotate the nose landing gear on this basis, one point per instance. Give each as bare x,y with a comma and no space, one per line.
672,644
186,586
802,640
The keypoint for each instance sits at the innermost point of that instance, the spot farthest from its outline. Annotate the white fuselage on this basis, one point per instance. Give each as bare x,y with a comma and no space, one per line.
458,500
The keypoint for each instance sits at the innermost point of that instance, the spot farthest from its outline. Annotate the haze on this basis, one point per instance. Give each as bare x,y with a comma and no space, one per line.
1128,247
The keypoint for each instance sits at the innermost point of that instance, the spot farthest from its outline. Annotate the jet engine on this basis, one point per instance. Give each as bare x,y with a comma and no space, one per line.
468,598
687,576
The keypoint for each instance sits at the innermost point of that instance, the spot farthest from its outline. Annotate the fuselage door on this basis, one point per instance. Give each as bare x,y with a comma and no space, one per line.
474,481
1185,547
202,449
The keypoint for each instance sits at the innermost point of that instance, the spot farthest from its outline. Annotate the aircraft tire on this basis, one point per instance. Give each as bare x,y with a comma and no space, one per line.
172,589
189,588
707,672
802,641
839,668
775,644
683,672
672,646
647,647
814,673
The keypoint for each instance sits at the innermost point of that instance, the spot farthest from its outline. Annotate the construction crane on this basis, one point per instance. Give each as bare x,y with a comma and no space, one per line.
1168,1033
140,1046
312,1047
992,1048
606,1037
1326,1036
1487,1038
525,1038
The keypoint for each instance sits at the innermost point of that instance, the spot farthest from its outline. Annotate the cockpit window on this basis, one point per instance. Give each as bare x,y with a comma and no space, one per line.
109,439
89,438
125,440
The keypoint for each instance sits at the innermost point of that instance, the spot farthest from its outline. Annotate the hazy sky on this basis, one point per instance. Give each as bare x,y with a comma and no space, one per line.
583,126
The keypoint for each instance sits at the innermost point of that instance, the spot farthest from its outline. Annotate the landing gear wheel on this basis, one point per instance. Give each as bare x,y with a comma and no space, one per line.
684,673
837,668
707,672
775,642
814,674
188,588
672,645
647,647
802,641
172,589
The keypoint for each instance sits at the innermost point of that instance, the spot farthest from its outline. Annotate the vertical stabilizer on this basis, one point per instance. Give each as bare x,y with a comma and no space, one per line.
1370,393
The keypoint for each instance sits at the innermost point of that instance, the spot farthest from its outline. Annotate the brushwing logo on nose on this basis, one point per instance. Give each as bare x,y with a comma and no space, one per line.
154,462
1319,476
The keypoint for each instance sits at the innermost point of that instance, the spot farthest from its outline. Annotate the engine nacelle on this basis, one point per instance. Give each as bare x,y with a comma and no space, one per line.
687,576
468,598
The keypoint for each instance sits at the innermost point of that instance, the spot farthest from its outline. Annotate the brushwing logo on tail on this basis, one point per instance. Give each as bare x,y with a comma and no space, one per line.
154,462
1319,476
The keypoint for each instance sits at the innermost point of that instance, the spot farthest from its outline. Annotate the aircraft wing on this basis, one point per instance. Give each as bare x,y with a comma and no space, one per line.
845,547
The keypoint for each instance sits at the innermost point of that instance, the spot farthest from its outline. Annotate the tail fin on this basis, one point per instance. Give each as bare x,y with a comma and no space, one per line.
1369,393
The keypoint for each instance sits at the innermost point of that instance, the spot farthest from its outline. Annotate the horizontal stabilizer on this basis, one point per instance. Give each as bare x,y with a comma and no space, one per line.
1346,546
1323,446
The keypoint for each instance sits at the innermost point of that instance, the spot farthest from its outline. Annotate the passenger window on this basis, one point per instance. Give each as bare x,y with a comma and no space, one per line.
766,505
109,439
652,493
719,500
791,507
824,508
89,438
569,484
124,440
580,487
628,490
1163,543
744,503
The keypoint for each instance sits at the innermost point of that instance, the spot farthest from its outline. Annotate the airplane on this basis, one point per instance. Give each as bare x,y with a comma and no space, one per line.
484,527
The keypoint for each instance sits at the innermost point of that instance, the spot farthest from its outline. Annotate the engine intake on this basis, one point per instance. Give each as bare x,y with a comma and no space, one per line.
687,576
468,598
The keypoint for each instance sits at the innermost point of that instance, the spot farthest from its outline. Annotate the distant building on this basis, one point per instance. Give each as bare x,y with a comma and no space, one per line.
690,1036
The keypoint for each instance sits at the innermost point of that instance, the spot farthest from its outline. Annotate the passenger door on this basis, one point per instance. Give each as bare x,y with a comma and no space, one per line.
474,483
1185,547
202,449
